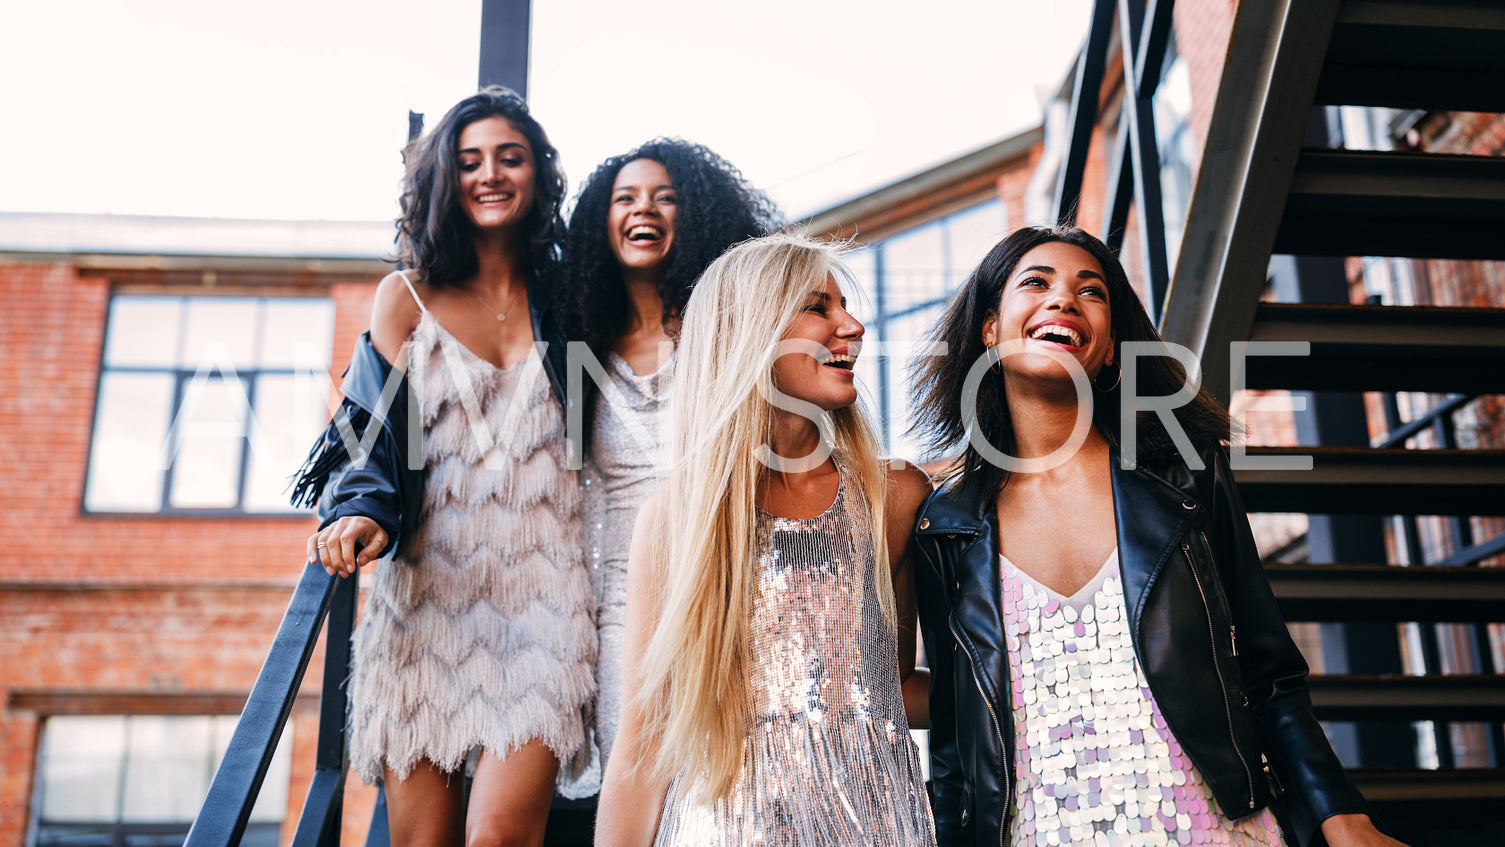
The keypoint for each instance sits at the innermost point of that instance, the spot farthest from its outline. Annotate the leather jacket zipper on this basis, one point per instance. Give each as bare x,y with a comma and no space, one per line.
1217,581
997,729
1227,704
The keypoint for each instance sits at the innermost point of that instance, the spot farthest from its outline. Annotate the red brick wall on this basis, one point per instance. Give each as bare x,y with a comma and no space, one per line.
1203,28
113,614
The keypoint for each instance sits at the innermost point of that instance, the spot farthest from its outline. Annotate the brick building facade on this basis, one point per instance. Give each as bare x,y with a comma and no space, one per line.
169,611
108,614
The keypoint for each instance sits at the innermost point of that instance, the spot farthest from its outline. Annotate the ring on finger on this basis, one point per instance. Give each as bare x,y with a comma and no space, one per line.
322,544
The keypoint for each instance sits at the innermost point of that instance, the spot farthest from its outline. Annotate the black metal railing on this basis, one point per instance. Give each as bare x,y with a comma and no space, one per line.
1134,169
227,808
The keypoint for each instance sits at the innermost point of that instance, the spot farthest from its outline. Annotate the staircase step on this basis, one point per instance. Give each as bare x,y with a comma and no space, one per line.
1345,203
1416,54
1382,348
1409,785
1408,698
1360,480
1387,593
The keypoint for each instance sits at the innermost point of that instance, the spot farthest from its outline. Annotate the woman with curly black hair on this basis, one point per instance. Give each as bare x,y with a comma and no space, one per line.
644,227
477,642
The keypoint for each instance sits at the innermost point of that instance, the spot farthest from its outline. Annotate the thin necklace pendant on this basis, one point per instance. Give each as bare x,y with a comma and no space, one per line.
501,316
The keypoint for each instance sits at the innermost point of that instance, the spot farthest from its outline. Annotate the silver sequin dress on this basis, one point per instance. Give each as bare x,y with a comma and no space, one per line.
620,474
829,760
483,635
1095,761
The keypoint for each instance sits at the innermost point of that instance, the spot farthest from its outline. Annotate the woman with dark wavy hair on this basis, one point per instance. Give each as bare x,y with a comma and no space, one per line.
1108,662
477,642
644,227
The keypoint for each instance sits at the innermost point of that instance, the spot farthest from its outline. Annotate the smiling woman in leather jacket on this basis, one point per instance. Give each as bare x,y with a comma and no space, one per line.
1108,661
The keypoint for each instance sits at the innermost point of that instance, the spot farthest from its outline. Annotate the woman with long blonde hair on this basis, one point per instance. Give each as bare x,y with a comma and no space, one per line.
770,615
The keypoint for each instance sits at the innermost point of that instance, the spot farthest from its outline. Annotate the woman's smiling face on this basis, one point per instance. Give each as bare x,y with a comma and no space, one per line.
819,351
640,220
497,174
1056,300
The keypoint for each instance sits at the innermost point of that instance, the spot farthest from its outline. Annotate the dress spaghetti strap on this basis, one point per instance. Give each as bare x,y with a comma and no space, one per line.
413,291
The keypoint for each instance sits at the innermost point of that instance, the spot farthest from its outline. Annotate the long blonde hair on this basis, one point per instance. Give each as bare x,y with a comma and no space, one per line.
694,693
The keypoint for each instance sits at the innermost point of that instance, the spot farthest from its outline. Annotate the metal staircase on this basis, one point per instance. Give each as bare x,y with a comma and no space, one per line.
1277,205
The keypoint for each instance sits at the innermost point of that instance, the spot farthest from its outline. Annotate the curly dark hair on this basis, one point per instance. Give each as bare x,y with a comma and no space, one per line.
937,391
434,236
716,208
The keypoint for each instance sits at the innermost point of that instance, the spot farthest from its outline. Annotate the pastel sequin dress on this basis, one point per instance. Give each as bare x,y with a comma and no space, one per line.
621,473
483,635
829,760
1094,760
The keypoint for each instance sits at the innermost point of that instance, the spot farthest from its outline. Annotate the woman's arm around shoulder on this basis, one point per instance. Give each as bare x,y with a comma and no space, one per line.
908,486
631,796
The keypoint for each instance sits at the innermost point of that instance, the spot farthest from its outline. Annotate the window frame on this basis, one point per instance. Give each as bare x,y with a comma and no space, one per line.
181,377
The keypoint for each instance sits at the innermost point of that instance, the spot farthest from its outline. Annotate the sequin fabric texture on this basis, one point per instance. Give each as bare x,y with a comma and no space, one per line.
1095,761
829,759
621,473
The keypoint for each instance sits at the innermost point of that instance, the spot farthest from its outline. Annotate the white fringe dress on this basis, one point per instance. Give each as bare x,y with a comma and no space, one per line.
484,635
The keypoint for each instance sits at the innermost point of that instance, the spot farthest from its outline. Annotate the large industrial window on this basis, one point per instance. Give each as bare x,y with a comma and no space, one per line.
907,280
139,780
206,404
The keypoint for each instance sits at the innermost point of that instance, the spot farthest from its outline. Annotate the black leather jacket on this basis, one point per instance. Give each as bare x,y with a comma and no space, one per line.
1205,628
386,484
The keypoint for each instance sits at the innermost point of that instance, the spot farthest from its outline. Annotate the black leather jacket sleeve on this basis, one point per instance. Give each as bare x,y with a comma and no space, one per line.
355,470
1314,784
946,780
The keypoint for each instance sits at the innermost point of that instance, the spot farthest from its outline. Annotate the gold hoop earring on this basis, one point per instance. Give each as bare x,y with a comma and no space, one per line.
997,363
1116,380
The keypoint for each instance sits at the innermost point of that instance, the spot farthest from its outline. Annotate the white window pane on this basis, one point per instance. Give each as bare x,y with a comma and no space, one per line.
126,458
865,273
972,233
221,331
290,413
905,337
167,768
143,331
80,767
914,268
297,333
209,428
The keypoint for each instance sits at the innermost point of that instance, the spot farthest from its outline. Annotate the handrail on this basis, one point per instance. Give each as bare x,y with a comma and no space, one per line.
222,819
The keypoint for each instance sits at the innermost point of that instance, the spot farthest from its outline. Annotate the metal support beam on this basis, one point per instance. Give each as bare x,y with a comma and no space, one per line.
227,808
1408,698
1084,94
1120,188
1424,54
1139,114
1388,593
1345,203
319,823
504,44
1381,348
1348,481
1257,125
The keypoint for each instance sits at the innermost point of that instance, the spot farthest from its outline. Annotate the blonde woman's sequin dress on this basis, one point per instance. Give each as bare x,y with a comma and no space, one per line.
829,761
1094,759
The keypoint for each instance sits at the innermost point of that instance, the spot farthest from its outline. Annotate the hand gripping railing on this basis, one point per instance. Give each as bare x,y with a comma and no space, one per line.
227,808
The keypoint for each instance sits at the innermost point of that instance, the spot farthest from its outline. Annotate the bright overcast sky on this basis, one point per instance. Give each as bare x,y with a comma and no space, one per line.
297,109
